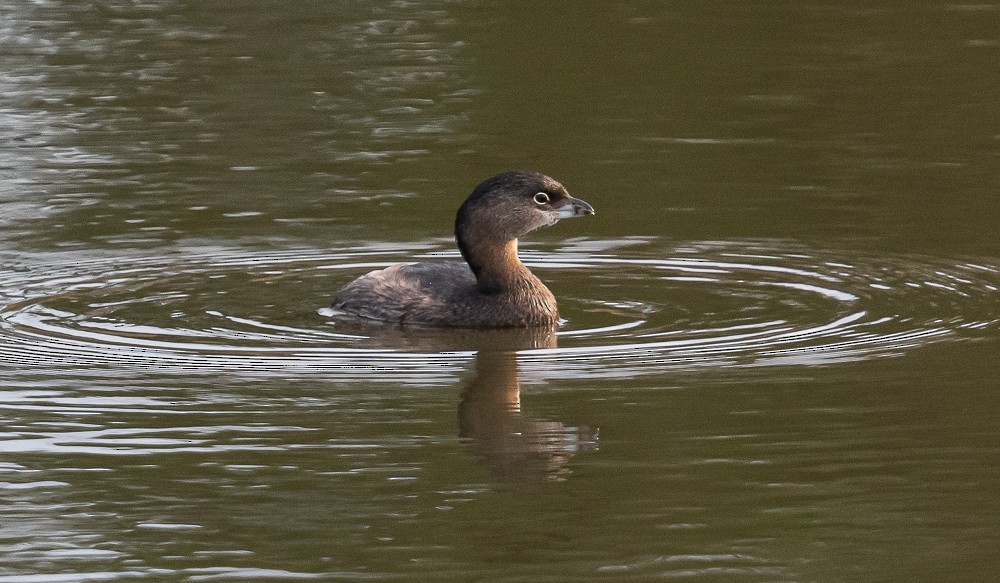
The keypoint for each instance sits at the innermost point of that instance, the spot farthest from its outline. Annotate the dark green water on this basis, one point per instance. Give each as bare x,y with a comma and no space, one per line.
780,355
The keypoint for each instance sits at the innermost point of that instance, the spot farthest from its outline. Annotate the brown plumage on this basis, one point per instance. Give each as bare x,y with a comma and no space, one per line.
493,289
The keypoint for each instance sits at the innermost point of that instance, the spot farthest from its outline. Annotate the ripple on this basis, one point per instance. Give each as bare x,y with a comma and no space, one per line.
635,312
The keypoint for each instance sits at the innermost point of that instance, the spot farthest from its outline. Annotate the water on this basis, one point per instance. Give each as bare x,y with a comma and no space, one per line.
778,361
708,305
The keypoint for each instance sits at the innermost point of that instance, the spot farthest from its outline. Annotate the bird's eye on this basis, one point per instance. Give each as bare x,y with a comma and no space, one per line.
541,198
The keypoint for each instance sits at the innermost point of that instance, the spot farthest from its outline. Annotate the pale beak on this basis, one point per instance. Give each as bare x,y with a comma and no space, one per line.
573,207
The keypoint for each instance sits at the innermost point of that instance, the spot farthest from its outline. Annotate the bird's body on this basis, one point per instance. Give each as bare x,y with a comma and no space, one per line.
493,289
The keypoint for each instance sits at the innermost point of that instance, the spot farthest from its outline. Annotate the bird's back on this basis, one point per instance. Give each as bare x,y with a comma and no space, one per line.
406,293
444,294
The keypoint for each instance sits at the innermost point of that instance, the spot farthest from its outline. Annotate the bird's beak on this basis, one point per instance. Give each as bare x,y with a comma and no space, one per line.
574,207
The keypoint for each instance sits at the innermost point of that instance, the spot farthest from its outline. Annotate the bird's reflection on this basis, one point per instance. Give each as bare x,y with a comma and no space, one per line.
513,444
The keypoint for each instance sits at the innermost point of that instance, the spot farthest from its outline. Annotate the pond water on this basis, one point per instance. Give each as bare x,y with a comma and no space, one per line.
779,354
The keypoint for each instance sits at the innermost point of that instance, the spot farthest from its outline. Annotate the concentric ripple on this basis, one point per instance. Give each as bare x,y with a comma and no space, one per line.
630,311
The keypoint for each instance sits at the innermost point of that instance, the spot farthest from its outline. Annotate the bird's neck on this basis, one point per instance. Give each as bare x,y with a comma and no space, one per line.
497,267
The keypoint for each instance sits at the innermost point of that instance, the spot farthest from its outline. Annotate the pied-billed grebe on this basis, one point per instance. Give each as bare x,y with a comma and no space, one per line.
495,290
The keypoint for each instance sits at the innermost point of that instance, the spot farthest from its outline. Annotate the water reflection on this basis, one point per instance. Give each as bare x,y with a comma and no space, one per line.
138,123
513,444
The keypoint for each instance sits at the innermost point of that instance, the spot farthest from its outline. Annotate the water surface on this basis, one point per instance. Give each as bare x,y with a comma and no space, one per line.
778,360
